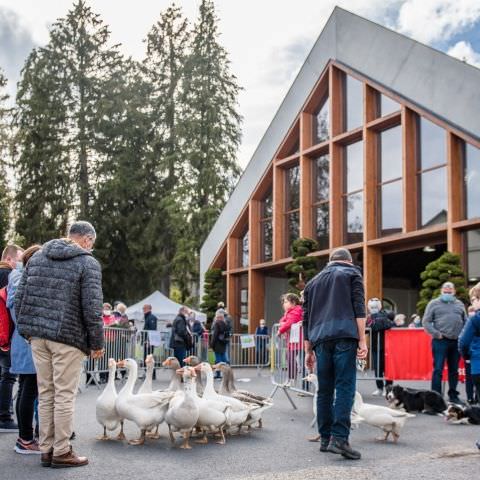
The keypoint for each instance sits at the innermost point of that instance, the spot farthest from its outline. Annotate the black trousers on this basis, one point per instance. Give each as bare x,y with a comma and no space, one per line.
7,380
25,406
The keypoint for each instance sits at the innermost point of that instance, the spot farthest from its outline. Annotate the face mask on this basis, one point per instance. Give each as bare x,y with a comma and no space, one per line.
447,297
19,266
374,310
107,312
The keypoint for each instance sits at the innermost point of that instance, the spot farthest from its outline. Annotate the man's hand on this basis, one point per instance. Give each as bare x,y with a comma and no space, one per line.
97,353
310,360
362,350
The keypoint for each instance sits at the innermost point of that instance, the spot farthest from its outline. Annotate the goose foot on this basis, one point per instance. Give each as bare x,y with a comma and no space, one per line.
102,437
121,436
138,441
185,445
222,441
203,440
260,424
314,439
153,436
396,436
172,438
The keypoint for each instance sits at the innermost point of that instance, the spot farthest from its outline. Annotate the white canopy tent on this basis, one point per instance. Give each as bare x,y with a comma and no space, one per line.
162,307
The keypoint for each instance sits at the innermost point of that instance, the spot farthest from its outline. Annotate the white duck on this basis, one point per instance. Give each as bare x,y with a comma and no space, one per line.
183,410
106,412
312,378
147,410
146,386
240,410
389,420
228,388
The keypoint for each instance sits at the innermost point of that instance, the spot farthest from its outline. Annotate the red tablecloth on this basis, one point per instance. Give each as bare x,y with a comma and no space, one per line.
408,355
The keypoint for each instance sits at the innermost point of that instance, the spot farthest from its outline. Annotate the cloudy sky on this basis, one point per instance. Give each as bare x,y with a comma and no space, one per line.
268,40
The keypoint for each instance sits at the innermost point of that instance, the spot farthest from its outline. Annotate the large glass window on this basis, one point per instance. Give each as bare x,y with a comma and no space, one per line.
432,173
321,122
266,227
472,181
390,185
244,250
473,256
353,103
353,192
292,207
387,106
243,284
321,200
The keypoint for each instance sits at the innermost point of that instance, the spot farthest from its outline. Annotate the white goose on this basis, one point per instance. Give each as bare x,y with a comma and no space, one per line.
147,410
389,420
240,410
175,383
183,410
106,412
146,386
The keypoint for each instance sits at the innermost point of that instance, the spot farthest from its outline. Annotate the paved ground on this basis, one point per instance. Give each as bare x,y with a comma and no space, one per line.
428,449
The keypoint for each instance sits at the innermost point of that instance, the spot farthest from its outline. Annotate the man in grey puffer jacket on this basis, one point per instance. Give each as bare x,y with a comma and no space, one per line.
59,308
444,319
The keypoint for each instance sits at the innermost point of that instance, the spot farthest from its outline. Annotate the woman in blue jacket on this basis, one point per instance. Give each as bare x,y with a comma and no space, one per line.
469,340
23,366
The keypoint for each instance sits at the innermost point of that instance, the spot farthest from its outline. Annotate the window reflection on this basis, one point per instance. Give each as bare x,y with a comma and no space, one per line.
322,225
432,144
267,240
354,208
472,181
391,153
354,103
473,256
322,179
293,227
245,250
293,188
354,164
387,105
392,207
321,122
433,197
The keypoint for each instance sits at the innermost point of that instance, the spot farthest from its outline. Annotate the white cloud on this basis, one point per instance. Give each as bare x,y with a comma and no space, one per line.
464,51
431,21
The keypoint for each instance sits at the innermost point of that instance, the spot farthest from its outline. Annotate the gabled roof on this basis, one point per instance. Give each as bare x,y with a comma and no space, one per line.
436,82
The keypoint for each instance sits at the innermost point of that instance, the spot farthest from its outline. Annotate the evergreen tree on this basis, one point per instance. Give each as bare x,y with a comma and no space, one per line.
4,153
303,268
63,101
214,289
211,131
447,268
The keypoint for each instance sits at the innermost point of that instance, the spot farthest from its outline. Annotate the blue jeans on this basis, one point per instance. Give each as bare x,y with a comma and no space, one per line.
220,357
337,375
445,349
180,353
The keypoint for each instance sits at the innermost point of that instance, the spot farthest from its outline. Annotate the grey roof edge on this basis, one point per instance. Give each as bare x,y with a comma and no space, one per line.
427,77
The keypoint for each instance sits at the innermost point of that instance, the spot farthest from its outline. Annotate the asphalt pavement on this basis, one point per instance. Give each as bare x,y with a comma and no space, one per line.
428,448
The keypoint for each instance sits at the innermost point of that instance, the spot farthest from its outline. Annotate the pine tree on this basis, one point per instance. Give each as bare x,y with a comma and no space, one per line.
5,136
303,268
214,289
164,68
211,131
63,101
447,268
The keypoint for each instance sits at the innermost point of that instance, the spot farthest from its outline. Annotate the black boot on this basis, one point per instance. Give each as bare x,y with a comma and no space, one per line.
324,444
343,448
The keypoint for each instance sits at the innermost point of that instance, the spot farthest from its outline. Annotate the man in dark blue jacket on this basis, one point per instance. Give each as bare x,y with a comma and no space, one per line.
150,323
334,334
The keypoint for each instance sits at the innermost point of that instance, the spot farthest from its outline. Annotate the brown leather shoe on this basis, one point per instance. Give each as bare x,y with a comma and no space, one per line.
46,459
69,459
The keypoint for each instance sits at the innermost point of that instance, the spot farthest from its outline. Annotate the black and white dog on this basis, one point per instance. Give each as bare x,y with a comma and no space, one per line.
459,415
412,400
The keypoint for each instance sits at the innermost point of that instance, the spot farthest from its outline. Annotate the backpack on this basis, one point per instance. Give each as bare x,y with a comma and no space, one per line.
6,324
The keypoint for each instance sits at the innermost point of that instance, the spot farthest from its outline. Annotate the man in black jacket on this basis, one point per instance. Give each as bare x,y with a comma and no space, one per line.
59,309
150,323
180,340
334,334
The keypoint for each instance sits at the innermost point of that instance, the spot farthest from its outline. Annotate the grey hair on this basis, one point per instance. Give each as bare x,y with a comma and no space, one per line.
448,285
81,228
341,254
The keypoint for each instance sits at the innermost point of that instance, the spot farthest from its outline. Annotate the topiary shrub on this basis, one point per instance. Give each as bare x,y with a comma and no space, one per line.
446,268
303,267
214,292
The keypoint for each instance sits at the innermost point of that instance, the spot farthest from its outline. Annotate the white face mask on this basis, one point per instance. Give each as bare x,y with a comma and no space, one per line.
19,266
107,312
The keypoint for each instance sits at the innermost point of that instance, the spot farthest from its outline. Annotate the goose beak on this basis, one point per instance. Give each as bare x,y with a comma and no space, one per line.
166,363
121,364
198,367
187,360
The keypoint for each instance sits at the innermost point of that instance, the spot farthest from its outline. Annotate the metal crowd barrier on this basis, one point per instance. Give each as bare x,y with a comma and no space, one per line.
288,363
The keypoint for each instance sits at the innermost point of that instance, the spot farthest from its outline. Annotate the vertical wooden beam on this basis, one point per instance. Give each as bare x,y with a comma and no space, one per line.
279,234
336,79
256,299
455,181
306,181
336,199
370,169
371,100
410,167
254,236
372,272
233,251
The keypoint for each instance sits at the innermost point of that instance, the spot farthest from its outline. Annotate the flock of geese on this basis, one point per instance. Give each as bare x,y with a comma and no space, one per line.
190,404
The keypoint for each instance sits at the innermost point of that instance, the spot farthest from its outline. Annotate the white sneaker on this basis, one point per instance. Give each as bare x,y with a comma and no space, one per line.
377,393
384,393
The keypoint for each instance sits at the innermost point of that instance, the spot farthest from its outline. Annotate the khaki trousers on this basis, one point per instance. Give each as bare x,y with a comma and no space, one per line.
58,370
